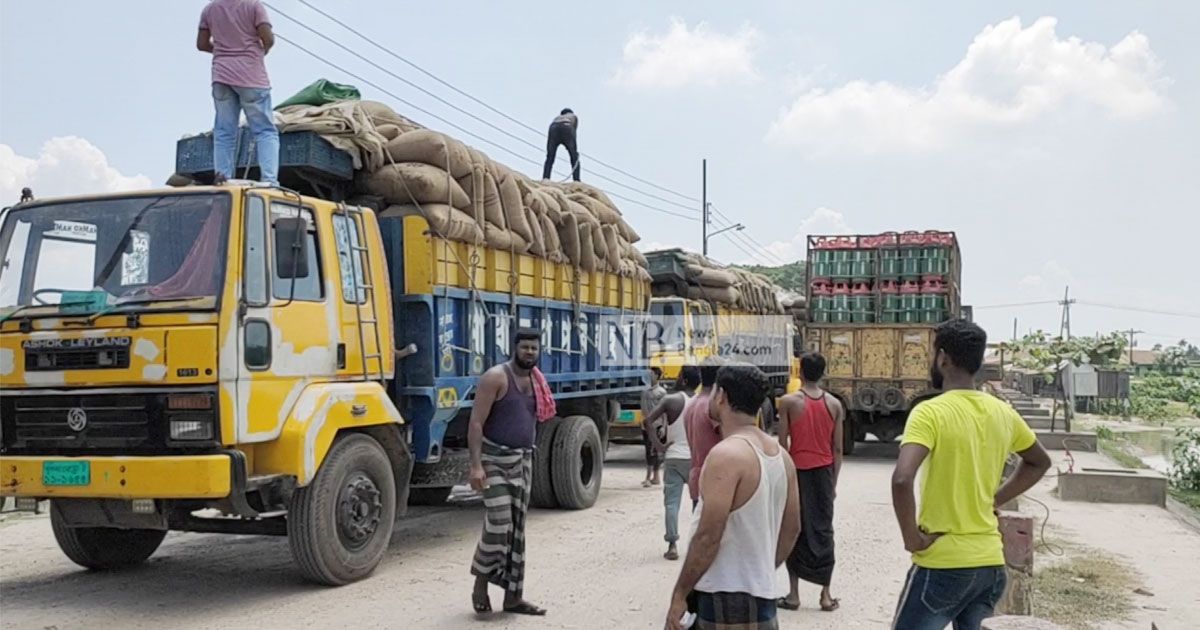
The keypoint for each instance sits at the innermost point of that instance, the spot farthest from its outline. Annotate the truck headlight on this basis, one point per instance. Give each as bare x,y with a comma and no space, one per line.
183,428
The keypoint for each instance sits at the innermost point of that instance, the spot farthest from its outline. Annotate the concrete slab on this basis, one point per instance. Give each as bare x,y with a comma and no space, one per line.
1017,622
1113,485
1046,424
1034,412
1064,440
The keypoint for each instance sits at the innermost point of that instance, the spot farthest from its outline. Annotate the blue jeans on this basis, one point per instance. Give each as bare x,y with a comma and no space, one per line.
675,478
934,598
230,102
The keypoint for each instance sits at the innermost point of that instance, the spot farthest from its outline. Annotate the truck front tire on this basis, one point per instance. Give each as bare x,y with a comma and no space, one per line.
104,548
577,463
340,524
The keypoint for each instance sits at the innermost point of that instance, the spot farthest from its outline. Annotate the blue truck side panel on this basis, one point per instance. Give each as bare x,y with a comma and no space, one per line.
587,350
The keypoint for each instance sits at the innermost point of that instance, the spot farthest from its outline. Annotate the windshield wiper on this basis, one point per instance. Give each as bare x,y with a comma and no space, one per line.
21,309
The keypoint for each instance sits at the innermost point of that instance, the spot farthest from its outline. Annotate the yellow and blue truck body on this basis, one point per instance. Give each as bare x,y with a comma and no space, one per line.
299,364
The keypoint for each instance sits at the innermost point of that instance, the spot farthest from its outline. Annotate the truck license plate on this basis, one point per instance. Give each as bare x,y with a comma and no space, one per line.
626,416
66,473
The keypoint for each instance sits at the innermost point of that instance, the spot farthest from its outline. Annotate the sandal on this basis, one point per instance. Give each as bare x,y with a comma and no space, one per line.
831,606
481,603
646,483
525,608
783,603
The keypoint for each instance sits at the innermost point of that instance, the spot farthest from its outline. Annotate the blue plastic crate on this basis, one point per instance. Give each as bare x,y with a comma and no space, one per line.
304,152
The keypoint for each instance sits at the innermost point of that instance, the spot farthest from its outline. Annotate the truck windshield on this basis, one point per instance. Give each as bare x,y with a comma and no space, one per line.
666,331
136,250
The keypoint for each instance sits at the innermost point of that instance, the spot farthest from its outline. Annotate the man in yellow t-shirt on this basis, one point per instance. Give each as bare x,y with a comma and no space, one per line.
966,435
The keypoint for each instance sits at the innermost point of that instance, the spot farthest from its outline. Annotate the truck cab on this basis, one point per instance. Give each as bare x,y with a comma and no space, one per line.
179,350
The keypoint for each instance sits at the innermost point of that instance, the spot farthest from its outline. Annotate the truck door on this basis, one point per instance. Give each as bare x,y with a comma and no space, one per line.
288,322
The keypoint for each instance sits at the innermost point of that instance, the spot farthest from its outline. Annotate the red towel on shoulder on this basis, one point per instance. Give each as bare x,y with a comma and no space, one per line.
546,408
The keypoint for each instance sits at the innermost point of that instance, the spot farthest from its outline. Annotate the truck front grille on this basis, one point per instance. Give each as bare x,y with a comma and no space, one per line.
75,422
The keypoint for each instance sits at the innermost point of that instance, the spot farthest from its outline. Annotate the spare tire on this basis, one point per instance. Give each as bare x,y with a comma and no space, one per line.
541,490
577,463
892,399
866,398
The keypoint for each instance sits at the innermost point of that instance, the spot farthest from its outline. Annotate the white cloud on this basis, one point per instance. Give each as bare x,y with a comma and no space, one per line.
688,56
66,165
821,221
1010,76
1047,282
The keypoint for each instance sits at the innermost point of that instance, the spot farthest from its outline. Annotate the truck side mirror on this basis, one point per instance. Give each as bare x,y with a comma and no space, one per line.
291,247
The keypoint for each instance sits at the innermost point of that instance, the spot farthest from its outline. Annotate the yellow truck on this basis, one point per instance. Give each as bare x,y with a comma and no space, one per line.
684,330
873,303
297,364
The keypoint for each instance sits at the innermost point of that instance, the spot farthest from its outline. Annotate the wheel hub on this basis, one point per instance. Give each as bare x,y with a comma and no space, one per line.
358,513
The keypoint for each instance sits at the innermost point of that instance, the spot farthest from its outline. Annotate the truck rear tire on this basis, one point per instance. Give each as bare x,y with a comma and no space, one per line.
105,548
340,524
577,463
541,491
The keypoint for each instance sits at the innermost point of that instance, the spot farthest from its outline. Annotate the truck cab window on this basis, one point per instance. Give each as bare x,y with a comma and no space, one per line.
308,288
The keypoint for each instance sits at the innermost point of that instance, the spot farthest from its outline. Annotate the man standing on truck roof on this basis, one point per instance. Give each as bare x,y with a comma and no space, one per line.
238,34
747,519
650,399
703,430
810,430
676,456
500,436
967,435
562,132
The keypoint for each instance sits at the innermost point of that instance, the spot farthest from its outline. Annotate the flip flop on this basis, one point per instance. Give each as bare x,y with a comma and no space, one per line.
833,605
646,483
783,603
481,603
525,608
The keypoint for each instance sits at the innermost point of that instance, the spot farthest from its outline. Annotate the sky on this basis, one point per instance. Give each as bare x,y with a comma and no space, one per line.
1058,140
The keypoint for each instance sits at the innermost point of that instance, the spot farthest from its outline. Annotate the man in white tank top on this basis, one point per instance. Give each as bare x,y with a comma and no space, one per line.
748,516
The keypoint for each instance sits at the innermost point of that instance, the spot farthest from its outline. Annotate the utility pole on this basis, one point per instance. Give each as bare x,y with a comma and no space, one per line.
704,206
1064,329
1014,329
1131,332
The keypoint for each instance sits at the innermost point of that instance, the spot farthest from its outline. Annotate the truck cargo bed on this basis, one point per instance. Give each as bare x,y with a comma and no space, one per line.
307,163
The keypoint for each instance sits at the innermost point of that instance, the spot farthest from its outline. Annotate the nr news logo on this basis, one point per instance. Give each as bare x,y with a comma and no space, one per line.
681,339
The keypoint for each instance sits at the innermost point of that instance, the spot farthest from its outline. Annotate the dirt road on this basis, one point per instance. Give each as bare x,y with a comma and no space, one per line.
599,568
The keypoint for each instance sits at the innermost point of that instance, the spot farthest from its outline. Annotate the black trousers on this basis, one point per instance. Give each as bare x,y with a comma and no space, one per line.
561,134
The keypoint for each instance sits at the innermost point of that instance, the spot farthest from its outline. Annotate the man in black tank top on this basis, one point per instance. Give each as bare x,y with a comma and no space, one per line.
501,436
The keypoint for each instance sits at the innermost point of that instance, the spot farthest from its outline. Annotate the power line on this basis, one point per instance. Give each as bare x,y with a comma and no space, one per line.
1017,304
740,235
1135,309
463,111
453,125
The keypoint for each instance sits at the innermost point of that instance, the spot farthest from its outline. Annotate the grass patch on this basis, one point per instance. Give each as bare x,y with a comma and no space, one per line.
1084,590
1116,450
1190,498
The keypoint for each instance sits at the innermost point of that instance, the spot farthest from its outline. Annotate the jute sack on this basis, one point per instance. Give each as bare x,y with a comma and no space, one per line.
568,236
710,277
606,214
590,191
538,200
502,239
587,252
550,234
633,254
724,295
599,246
558,196
433,148
389,130
612,240
581,214
537,244
488,195
511,201
444,221
412,182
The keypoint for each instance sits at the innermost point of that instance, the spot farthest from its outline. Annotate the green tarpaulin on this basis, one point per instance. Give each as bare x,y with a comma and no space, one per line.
321,92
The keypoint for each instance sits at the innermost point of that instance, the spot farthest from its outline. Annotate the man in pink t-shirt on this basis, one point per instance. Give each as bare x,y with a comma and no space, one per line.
238,34
703,432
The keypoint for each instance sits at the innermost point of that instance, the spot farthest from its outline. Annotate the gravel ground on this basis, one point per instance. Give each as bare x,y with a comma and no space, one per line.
599,568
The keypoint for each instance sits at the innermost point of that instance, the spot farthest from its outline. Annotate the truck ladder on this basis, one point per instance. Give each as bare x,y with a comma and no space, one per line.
367,293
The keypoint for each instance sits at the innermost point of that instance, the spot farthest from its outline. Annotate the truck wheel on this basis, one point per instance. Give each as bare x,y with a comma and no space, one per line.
339,525
577,463
104,548
429,496
541,492
849,434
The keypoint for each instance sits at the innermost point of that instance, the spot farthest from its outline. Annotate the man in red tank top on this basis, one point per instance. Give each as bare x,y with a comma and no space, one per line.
811,431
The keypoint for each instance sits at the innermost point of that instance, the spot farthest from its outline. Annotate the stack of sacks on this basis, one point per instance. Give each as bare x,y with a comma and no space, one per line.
731,286
468,197
795,305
